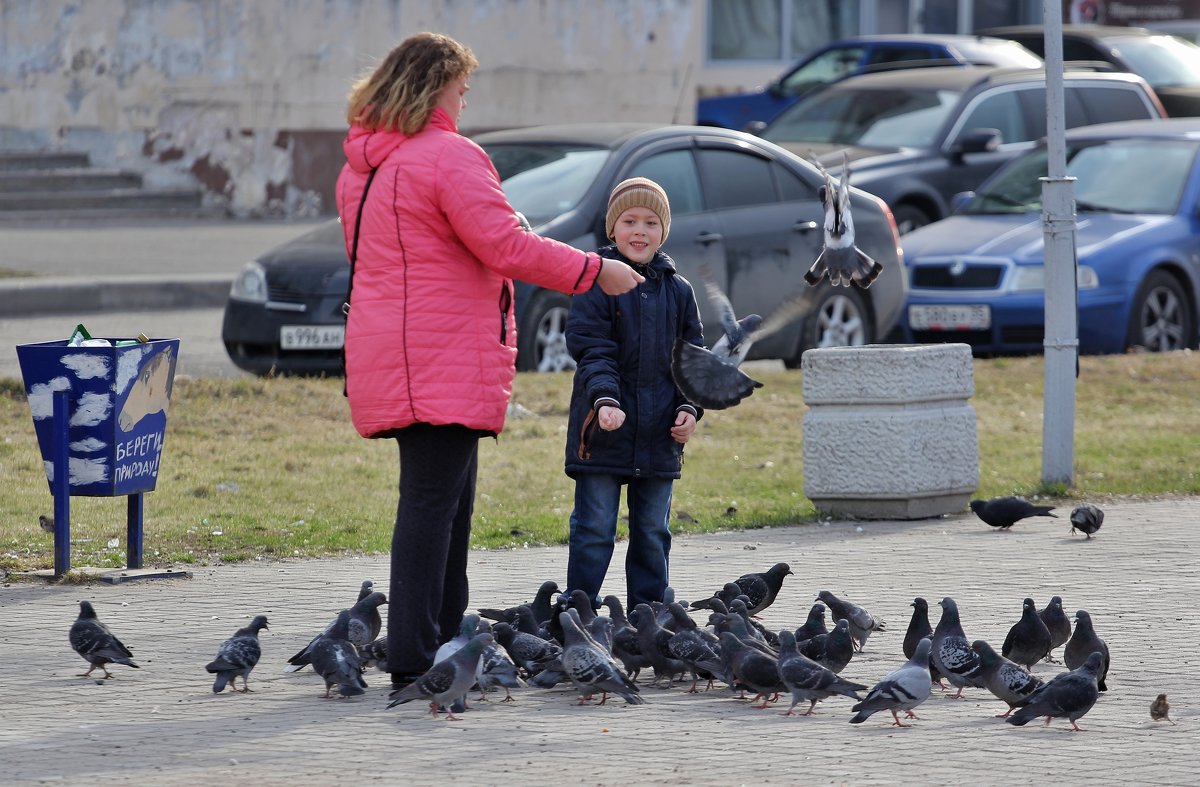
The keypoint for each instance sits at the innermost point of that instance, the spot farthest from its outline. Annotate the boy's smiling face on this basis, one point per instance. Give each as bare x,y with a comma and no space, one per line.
638,233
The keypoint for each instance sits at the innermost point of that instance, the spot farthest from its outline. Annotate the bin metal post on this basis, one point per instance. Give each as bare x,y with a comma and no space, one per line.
62,484
133,532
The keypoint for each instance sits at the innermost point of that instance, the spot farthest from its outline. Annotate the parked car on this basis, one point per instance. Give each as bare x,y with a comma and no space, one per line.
1169,63
917,138
853,56
977,277
746,209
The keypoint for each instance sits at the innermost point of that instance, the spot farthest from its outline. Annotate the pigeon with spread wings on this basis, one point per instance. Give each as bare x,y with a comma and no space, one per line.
840,259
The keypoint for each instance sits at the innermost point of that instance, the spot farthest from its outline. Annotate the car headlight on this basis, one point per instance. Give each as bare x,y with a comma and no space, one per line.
250,285
1033,277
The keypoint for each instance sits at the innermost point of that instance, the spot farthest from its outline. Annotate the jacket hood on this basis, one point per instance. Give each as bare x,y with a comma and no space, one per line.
366,149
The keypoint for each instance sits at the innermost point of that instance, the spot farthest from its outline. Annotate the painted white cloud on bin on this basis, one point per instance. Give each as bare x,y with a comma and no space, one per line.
41,397
82,471
128,362
88,445
91,409
86,366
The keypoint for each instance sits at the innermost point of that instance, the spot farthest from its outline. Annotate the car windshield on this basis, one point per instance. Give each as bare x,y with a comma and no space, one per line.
545,180
1163,61
872,118
1112,176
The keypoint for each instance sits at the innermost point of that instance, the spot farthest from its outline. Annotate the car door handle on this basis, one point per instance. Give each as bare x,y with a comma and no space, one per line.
708,237
805,226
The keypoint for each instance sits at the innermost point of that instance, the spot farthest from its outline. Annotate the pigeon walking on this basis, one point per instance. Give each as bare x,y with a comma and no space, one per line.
1058,624
92,640
1160,709
901,690
919,629
814,624
653,639
862,623
1008,681
625,645
363,625
1004,512
540,606
952,654
590,667
752,669
697,648
335,659
808,680
1069,695
237,656
1084,642
530,653
496,669
447,681
1087,519
833,650
1029,640
840,260
761,588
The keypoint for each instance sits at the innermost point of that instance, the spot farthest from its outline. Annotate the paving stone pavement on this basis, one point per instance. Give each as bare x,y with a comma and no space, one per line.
162,725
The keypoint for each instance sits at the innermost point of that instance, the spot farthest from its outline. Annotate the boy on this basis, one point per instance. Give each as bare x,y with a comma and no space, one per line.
628,421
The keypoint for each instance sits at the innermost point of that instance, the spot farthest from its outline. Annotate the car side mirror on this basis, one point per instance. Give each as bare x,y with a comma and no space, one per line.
774,89
960,200
977,140
755,127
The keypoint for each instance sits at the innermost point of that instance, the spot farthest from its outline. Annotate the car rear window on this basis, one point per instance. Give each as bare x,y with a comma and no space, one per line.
882,118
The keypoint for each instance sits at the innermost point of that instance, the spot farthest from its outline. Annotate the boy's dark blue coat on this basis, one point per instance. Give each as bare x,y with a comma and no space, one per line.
622,345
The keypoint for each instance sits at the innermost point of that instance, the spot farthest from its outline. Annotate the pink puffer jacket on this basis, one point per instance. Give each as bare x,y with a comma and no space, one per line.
431,336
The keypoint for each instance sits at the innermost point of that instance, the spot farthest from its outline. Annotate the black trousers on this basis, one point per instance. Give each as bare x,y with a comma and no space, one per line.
428,592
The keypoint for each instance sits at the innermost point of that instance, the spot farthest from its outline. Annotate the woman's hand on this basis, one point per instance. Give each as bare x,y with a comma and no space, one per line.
616,277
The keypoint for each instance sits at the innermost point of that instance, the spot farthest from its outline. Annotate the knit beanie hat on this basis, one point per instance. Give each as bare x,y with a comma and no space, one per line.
638,193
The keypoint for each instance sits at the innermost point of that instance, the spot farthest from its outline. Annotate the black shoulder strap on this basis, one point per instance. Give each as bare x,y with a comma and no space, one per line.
353,259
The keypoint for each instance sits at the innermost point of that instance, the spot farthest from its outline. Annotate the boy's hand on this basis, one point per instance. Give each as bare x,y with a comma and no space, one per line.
610,417
685,424
616,277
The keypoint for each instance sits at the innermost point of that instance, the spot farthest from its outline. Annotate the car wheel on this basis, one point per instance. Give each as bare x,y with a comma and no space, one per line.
840,319
1162,317
909,217
542,334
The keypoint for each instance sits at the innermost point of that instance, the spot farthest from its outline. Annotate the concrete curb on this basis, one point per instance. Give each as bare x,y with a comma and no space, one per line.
39,296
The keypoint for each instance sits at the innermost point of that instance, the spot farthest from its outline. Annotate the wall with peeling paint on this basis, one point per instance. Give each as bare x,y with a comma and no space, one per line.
247,97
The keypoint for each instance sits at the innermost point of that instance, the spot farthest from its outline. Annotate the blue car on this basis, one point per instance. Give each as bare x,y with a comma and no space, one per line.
978,276
851,56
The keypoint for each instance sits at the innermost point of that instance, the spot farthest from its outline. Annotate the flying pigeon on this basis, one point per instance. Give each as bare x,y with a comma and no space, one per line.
862,623
446,681
1004,512
1160,709
1008,681
1057,622
919,629
590,667
901,690
540,606
91,639
840,260
1084,642
760,588
711,378
237,656
364,623
1069,694
952,654
752,669
833,650
335,659
808,680
1087,519
814,624
1029,640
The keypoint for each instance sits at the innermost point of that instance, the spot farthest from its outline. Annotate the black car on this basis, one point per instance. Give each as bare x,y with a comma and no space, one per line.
746,209
916,138
1169,63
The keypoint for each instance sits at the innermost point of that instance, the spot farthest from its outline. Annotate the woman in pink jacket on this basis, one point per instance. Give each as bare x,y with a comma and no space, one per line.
430,336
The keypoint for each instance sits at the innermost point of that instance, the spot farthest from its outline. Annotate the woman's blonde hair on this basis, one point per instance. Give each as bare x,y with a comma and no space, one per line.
402,92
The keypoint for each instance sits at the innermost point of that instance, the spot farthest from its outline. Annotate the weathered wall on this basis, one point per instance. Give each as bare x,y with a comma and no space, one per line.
247,96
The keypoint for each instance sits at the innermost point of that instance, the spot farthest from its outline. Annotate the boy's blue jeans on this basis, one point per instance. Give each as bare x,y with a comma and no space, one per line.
594,534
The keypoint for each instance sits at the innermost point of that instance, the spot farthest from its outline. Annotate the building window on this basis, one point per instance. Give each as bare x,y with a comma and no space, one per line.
756,30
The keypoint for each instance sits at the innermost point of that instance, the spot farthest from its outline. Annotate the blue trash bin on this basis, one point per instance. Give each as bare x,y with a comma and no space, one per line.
102,413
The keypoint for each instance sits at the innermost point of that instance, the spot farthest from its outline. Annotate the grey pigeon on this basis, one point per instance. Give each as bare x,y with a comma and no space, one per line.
695,647
1057,622
465,633
1004,512
919,629
91,639
540,606
952,654
814,624
761,588
335,659
735,624
808,680
578,600
1010,682
862,623
653,640
237,656
719,601
1084,642
901,690
590,667
1087,519
363,625
374,654
496,669
840,260
833,650
530,653
1028,641
625,645
447,681
752,669
1069,694
756,629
